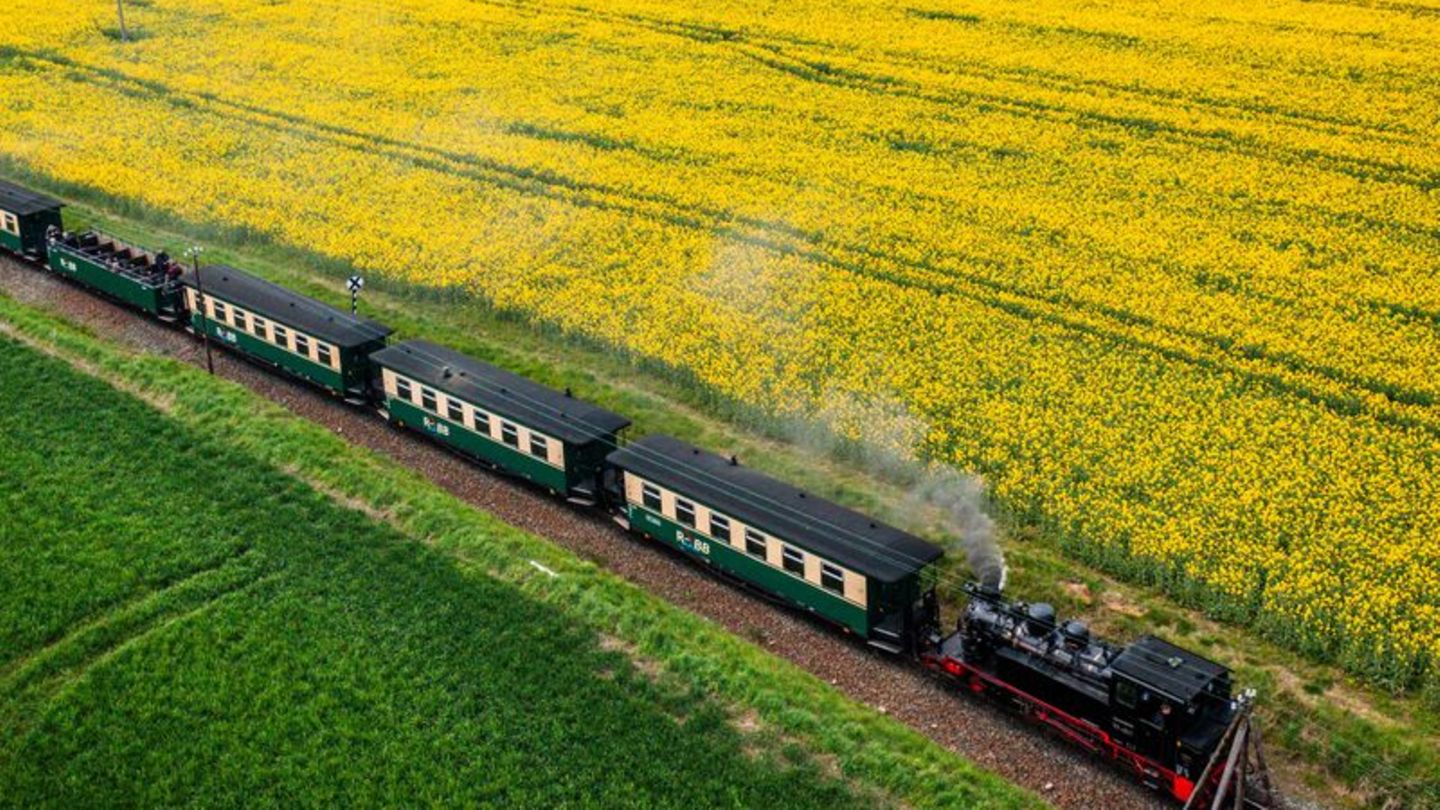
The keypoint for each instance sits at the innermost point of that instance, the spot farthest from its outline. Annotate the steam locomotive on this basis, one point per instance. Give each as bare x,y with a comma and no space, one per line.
1156,709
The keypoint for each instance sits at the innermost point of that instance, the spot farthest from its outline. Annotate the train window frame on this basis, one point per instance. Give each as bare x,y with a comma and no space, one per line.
685,512
832,577
792,560
326,356
480,421
429,400
651,497
257,326
540,447
454,411
757,545
302,344
282,336
510,434
1127,693
720,527
218,310
238,318
403,389
9,223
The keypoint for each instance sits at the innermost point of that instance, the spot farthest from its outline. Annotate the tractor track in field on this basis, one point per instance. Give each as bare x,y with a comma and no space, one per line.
981,733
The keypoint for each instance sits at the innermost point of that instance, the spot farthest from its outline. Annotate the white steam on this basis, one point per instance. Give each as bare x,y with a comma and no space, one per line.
880,435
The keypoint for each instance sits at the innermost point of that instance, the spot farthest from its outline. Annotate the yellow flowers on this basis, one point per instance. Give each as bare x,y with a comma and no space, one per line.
1166,275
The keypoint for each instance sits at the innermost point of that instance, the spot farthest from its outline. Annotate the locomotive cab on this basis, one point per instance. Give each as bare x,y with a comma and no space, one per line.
1169,704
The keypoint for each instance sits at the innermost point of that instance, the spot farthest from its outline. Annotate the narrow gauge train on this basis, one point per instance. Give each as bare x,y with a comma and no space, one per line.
1157,710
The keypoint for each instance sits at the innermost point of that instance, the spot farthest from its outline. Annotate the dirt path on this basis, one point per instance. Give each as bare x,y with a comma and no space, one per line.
960,723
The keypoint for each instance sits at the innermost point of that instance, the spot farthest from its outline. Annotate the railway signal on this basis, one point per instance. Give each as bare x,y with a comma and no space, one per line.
355,284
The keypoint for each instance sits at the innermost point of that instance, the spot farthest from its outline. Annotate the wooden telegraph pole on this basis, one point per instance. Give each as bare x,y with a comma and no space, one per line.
120,11
194,253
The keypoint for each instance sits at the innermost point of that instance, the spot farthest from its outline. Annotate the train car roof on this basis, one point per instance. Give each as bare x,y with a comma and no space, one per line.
571,420
276,303
1162,666
21,201
854,540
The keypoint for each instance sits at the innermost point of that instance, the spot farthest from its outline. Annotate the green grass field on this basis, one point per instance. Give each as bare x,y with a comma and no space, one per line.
180,623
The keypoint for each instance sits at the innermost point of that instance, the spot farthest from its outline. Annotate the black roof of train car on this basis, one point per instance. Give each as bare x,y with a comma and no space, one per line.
854,540
21,201
1164,667
290,308
571,420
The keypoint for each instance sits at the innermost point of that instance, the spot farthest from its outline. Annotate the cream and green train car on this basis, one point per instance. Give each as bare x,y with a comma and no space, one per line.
25,219
295,333
871,579
507,421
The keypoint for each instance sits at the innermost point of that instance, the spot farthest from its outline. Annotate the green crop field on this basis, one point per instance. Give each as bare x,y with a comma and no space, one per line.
183,624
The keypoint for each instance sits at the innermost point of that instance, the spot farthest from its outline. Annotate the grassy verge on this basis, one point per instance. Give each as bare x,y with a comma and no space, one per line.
405,648
1350,742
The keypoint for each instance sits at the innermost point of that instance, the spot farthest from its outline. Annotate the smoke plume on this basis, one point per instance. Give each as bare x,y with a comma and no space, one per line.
960,499
880,435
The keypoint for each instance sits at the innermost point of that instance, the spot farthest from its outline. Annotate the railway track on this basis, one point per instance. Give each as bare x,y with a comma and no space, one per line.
984,734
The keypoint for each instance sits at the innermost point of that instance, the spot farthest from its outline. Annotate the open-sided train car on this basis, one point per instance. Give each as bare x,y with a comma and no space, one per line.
499,418
293,332
871,579
25,219
132,275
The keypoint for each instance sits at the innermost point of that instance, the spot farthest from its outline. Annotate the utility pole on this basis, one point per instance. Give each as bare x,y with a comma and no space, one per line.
120,10
194,253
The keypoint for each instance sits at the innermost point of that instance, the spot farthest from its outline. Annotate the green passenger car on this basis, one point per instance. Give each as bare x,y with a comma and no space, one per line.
871,579
134,276
501,419
25,219
295,333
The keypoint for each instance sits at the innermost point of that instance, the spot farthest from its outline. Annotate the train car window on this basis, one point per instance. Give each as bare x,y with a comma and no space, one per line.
282,335
754,543
454,411
302,345
325,355
482,423
402,390
258,327
719,528
1126,694
539,448
510,435
427,400
685,512
793,559
9,222
218,307
650,495
240,322
832,578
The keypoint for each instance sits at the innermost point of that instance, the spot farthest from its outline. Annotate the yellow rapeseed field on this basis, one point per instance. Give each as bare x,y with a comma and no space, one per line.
1167,273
